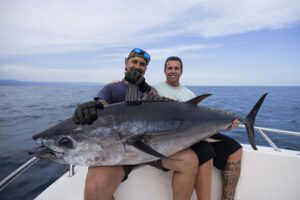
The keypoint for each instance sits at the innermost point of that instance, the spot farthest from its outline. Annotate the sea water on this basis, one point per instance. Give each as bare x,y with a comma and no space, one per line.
27,110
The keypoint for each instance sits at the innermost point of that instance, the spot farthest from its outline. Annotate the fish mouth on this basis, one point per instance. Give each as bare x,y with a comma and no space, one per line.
45,153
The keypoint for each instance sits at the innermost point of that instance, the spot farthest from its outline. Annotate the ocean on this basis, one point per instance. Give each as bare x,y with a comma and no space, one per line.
27,110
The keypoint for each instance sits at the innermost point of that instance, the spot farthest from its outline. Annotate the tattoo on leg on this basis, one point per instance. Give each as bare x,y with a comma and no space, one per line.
230,177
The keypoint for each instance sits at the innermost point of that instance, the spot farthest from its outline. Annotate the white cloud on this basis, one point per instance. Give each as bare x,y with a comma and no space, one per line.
56,26
188,51
242,16
42,25
27,73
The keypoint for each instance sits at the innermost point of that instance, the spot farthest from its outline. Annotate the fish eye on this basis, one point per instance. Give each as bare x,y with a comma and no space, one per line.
65,142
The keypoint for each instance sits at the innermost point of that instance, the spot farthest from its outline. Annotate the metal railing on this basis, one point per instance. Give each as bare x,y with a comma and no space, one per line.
17,172
261,130
33,160
72,170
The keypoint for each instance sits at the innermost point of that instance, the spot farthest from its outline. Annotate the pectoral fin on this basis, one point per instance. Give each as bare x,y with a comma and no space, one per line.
139,144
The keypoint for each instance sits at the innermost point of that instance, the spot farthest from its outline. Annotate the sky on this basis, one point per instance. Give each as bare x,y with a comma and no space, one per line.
221,42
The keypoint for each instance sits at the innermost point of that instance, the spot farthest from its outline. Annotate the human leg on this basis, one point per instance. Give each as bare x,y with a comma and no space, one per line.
204,180
102,182
228,160
185,167
205,155
231,175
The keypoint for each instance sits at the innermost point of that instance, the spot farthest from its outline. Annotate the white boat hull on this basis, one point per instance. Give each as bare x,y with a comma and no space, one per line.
266,174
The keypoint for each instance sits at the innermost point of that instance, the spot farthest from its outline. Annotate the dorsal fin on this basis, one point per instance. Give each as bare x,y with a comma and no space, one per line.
198,99
132,95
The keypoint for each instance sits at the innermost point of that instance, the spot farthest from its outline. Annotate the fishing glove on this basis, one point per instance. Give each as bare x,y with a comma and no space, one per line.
136,78
86,113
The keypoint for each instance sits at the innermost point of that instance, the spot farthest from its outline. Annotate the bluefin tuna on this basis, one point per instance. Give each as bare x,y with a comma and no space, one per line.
127,134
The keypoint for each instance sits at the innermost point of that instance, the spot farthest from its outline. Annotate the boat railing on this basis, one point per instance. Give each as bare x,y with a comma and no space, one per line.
261,130
12,176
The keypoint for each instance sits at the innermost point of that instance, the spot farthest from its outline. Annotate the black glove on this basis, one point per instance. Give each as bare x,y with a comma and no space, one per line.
86,113
136,78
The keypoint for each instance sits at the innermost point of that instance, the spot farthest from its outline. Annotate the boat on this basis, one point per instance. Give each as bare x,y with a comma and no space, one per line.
268,173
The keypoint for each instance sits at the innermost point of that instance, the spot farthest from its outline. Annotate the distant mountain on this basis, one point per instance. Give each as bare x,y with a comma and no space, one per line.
33,83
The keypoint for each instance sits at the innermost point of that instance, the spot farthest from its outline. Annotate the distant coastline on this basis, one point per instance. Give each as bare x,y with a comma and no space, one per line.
33,83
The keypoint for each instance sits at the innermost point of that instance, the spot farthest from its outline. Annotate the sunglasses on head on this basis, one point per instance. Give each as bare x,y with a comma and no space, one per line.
142,52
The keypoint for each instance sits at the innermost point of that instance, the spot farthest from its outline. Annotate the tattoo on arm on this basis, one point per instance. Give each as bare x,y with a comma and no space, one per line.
230,177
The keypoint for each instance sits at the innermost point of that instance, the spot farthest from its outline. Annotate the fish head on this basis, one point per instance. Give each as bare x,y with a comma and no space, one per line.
70,144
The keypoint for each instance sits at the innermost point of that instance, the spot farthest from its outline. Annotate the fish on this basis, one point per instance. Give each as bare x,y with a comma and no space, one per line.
128,134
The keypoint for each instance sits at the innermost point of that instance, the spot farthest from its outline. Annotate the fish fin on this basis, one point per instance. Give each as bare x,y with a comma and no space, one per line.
138,143
250,119
132,95
158,164
198,99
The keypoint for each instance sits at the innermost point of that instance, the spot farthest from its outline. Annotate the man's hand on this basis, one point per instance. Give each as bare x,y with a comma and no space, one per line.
234,124
86,113
136,78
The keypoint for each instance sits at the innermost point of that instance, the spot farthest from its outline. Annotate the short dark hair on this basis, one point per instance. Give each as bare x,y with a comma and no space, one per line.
174,58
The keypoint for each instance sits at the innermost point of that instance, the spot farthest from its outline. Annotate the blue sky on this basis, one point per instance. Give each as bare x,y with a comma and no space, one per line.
229,42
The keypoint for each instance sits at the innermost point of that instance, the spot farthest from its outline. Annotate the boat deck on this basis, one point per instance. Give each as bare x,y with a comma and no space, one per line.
266,174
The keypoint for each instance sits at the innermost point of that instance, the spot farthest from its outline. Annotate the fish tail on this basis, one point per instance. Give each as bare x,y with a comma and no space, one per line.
250,120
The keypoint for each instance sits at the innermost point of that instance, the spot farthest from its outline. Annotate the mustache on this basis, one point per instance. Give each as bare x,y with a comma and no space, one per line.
139,70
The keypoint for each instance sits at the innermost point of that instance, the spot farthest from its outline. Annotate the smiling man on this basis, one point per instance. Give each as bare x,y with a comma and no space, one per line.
225,154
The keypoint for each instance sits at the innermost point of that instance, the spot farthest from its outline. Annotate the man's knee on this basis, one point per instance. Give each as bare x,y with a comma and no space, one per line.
91,188
103,180
185,160
207,165
190,158
236,156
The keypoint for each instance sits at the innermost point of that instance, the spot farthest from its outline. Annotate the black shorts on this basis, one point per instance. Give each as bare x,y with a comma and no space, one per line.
127,170
219,151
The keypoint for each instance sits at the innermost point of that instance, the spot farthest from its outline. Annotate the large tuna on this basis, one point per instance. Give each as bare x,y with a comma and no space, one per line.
132,134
